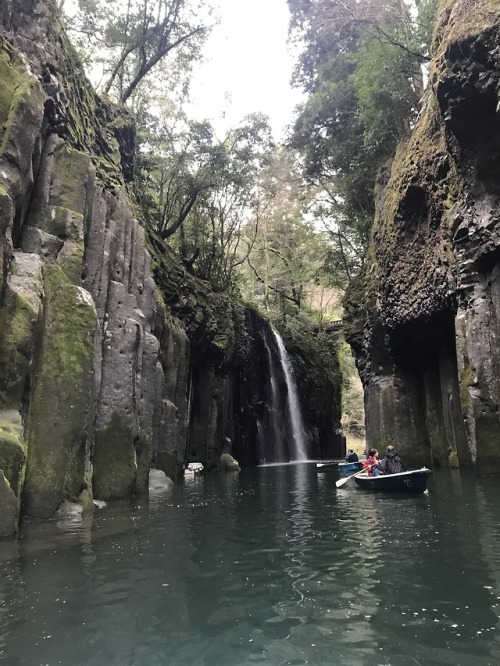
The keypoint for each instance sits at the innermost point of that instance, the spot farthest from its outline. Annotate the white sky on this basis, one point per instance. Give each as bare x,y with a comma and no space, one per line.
248,66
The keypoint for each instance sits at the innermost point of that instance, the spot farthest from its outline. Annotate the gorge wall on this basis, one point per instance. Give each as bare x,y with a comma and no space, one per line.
113,357
424,318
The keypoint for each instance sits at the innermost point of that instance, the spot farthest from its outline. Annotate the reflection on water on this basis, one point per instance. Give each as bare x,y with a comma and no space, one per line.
274,565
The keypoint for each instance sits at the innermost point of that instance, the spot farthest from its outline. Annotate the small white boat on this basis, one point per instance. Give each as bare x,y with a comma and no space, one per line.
193,468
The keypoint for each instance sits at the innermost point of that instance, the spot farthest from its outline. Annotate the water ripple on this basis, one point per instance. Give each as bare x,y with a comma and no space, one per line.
272,566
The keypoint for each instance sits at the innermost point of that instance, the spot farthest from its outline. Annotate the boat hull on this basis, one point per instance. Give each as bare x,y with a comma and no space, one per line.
330,466
346,469
405,482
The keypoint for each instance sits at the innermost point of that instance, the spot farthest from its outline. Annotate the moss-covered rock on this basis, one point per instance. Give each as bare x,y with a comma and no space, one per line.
228,464
159,482
57,450
114,461
423,318
68,192
6,217
12,450
18,87
9,513
17,325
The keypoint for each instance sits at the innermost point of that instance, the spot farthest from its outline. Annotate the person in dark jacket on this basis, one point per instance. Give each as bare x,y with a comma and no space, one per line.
391,463
351,456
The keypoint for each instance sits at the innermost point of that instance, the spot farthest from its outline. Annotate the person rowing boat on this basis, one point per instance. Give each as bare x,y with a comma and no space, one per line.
372,462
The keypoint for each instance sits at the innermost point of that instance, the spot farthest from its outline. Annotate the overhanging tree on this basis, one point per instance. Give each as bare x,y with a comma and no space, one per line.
361,66
130,38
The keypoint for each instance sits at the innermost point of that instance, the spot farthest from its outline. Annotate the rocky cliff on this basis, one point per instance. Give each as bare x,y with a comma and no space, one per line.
424,318
113,357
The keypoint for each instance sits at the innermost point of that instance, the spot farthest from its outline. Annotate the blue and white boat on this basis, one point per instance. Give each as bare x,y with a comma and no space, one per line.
347,468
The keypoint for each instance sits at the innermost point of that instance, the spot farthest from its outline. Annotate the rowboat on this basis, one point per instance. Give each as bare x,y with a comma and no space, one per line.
414,481
192,469
345,469
330,466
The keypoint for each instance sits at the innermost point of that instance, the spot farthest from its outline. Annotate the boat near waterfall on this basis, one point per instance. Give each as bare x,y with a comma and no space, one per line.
414,481
343,468
328,466
347,468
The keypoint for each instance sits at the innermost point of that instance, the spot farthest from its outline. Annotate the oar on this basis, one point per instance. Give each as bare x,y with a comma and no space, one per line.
341,482
326,464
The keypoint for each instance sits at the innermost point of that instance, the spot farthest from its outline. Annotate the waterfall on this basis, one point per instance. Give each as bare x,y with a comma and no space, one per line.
278,426
299,450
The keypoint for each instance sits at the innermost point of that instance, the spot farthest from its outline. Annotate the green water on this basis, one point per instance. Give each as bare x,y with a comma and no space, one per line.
272,566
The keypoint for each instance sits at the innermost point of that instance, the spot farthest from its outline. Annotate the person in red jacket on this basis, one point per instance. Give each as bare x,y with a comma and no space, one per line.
371,463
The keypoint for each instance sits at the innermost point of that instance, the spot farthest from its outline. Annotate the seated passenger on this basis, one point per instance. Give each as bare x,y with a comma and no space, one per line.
372,462
351,456
391,463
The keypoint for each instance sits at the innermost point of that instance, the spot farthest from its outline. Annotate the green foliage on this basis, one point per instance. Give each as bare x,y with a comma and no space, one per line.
128,41
283,267
385,100
353,414
201,192
361,65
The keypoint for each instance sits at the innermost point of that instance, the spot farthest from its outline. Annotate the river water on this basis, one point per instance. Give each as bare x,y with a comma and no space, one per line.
271,566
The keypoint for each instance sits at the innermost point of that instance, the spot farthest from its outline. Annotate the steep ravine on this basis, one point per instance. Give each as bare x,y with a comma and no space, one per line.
113,357
424,318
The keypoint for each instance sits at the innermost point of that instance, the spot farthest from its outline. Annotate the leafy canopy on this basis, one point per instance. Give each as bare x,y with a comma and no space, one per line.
127,40
361,66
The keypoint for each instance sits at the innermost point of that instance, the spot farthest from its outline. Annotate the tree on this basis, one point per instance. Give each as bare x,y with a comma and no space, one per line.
284,264
223,226
200,193
361,65
179,160
129,39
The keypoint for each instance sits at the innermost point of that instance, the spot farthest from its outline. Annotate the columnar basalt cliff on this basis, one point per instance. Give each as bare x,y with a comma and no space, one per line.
424,318
113,357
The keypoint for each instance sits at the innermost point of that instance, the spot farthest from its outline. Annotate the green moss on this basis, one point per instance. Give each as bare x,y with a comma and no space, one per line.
91,120
114,461
10,80
72,323
466,381
458,21
12,455
61,397
17,325
71,170
65,223
18,89
72,262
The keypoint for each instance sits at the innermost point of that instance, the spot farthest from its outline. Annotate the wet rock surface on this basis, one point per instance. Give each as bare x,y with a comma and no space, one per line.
115,359
423,318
